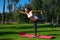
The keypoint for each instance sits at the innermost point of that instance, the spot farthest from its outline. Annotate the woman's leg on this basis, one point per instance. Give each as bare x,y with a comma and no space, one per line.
35,28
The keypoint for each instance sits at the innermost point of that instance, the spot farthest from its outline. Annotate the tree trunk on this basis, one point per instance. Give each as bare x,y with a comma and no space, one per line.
3,15
57,20
52,21
14,11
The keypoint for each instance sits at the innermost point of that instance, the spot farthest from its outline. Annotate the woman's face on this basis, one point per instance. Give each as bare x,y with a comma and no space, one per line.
26,10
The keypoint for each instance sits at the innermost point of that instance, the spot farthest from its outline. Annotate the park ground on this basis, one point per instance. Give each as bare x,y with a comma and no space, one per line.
10,32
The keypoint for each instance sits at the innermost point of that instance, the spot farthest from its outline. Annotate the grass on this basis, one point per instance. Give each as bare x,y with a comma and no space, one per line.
10,32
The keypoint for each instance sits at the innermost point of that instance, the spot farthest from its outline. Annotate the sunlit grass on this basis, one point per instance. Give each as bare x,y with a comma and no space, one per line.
10,32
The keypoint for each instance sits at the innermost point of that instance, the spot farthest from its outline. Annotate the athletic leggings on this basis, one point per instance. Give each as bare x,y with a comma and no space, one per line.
35,26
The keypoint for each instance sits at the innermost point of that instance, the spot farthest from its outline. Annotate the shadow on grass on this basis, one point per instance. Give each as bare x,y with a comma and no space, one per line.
3,33
50,31
31,26
42,31
39,26
54,34
27,27
7,39
28,31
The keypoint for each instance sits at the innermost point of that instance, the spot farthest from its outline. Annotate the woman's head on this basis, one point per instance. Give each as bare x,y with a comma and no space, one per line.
27,9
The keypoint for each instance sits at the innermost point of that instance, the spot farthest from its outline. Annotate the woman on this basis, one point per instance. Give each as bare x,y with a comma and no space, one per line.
29,12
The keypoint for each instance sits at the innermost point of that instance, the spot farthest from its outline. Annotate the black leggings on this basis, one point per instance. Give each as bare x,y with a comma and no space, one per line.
35,26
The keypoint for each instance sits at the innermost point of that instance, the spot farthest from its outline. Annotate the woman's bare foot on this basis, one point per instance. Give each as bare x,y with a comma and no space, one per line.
36,36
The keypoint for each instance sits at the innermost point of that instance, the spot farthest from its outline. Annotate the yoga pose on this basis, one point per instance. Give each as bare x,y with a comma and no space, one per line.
29,12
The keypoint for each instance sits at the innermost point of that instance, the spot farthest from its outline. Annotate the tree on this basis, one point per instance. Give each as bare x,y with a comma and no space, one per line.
58,12
12,4
3,15
54,11
10,10
15,6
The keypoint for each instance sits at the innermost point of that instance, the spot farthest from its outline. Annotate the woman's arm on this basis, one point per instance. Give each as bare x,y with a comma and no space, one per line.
21,12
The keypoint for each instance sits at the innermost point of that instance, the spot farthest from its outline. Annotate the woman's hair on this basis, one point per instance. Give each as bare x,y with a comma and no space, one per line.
29,8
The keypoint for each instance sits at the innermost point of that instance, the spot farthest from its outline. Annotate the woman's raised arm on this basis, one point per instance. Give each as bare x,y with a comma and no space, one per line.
21,12
36,10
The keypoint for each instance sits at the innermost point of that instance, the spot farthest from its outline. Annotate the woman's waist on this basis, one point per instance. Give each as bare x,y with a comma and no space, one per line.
33,17
30,16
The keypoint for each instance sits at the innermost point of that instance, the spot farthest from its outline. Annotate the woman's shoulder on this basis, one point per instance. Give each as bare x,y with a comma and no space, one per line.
31,11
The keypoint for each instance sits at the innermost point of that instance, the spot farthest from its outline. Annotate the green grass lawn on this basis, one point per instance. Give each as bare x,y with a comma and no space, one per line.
10,32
